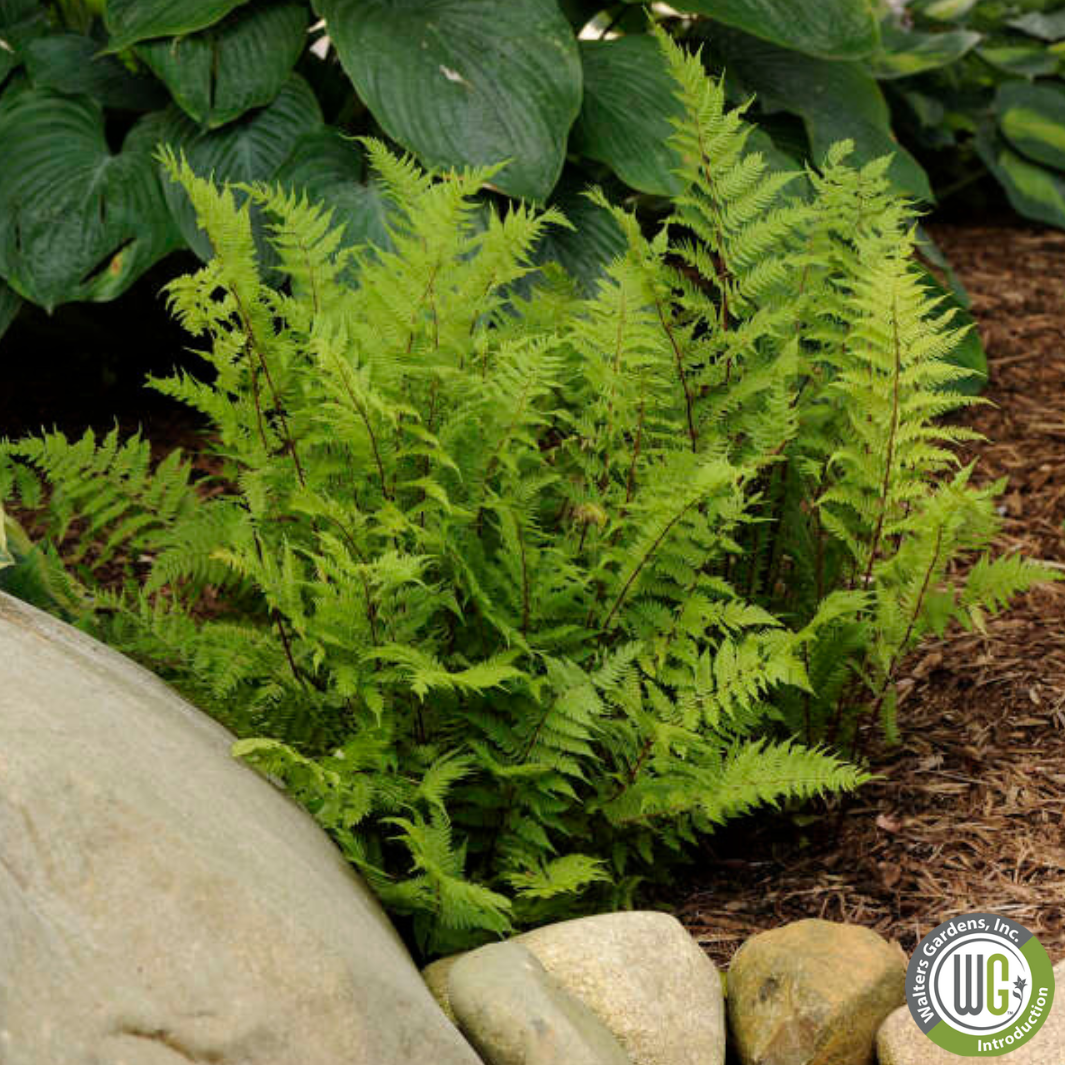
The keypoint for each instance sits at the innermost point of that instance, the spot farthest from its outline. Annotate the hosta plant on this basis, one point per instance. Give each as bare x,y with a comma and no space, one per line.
521,591
274,91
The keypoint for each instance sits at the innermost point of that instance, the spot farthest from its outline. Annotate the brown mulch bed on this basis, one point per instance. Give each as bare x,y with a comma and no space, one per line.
968,815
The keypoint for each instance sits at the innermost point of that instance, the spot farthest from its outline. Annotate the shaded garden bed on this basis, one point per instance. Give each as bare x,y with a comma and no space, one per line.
968,812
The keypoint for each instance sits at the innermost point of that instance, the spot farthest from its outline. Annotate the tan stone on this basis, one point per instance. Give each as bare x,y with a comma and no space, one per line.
515,1013
640,973
645,978
901,1042
813,993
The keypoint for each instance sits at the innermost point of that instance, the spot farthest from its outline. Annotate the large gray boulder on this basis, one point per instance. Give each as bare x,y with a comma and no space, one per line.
160,903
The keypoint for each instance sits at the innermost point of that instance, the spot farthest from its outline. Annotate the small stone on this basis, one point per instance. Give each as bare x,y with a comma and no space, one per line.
813,993
901,1042
645,978
515,1013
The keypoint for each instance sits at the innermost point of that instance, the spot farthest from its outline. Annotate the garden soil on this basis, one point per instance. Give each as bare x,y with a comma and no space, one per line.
968,812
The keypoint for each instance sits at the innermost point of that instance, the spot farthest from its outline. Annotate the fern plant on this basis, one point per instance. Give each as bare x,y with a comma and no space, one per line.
523,590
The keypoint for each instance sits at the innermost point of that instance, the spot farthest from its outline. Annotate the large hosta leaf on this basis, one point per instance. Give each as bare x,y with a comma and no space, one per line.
77,221
71,63
331,168
946,10
836,101
903,53
1049,27
832,29
624,120
466,82
1024,60
130,21
20,21
594,241
250,149
240,63
1033,190
1033,119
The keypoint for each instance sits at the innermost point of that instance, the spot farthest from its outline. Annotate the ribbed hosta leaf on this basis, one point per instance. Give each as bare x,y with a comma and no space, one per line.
331,168
903,53
832,29
1047,27
71,64
836,101
242,62
587,249
130,21
1024,60
466,82
20,21
624,120
251,149
77,221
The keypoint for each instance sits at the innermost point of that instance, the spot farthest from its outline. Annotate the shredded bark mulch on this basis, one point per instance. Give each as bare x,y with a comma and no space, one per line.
967,815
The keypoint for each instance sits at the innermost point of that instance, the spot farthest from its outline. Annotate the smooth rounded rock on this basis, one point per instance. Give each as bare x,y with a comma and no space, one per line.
645,978
515,1013
813,993
901,1042
161,903
436,976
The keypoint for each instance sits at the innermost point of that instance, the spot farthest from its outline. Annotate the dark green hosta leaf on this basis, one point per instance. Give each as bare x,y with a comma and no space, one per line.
250,149
240,63
1033,190
331,168
831,29
586,250
71,64
1024,60
904,53
130,21
77,221
20,22
1037,24
624,120
836,101
466,82
10,301
1033,119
